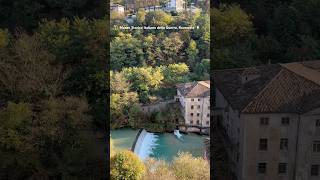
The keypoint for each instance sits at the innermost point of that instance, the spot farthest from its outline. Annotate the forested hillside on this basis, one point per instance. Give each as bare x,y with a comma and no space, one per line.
147,64
52,89
248,33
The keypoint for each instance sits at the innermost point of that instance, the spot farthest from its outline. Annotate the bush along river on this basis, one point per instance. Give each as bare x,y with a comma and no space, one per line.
163,146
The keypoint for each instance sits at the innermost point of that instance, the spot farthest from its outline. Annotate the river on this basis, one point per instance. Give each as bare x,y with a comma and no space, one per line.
166,145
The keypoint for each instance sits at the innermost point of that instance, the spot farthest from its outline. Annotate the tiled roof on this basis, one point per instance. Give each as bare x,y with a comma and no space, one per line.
291,88
194,89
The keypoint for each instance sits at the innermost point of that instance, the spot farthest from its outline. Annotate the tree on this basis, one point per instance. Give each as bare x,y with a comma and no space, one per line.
175,73
126,166
231,23
64,137
148,76
158,18
158,169
187,167
202,69
192,53
171,49
141,16
26,14
17,153
125,51
120,105
30,73
134,115
4,38
118,82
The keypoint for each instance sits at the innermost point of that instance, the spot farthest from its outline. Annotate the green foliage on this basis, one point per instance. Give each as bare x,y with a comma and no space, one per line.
158,169
148,77
56,77
126,51
27,14
141,16
184,167
158,18
175,73
187,167
120,105
172,47
118,82
15,122
126,166
4,38
28,71
192,53
284,31
231,23
134,115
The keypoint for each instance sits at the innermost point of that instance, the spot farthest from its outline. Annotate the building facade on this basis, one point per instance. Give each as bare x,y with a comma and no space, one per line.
194,100
270,119
117,8
176,5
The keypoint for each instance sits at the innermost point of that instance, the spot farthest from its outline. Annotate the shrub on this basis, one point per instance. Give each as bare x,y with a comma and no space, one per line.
126,166
158,169
187,167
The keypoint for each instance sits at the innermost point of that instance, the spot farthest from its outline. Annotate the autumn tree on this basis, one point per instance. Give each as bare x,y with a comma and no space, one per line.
126,165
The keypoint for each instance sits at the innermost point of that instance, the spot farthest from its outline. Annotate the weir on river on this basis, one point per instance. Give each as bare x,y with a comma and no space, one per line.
163,146
144,144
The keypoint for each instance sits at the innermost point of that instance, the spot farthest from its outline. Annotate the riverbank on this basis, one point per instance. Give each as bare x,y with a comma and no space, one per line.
166,146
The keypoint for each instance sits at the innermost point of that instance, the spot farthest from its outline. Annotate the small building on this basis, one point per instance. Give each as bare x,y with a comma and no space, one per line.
117,8
194,101
176,6
269,117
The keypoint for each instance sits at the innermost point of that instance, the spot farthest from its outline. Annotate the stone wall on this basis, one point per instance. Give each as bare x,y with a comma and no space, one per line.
155,107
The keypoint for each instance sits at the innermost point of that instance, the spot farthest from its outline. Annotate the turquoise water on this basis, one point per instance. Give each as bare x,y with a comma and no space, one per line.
123,138
168,145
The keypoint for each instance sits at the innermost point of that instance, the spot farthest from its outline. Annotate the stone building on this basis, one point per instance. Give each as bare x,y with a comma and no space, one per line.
194,100
117,8
175,5
270,118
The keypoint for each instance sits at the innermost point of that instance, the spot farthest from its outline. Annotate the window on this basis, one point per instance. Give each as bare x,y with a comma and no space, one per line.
198,99
285,121
208,115
315,170
284,144
198,114
191,122
191,106
318,123
282,168
192,99
263,144
264,121
198,122
316,146
207,122
262,168
198,106
191,114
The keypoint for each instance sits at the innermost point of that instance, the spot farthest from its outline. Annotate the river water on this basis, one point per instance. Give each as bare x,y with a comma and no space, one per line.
164,145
